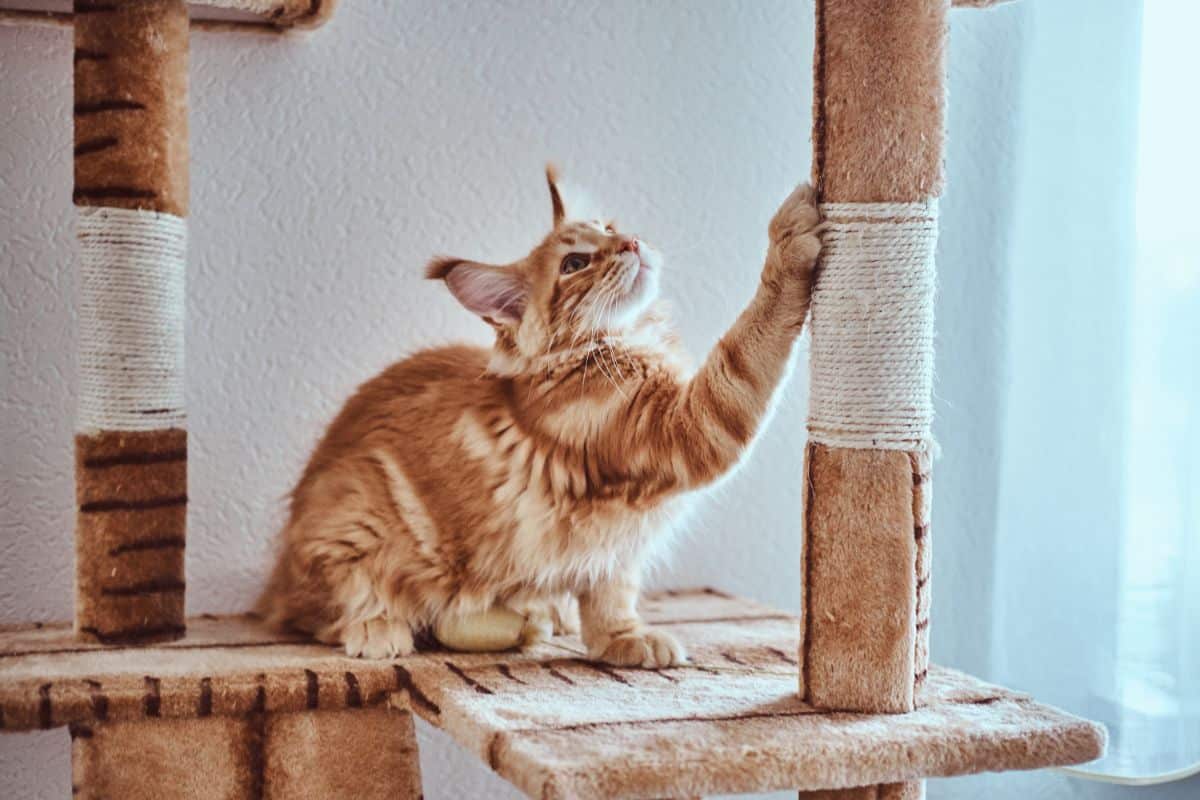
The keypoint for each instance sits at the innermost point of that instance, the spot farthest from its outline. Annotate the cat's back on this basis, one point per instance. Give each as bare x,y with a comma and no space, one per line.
417,398
457,367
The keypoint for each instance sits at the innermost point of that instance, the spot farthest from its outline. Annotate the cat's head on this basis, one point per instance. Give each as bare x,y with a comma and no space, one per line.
586,279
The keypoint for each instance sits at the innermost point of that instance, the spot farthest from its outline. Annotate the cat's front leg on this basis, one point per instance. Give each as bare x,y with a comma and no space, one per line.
614,633
700,431
377,638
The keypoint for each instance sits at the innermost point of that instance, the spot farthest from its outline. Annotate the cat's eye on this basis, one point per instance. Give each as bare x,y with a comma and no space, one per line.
575,262
610,228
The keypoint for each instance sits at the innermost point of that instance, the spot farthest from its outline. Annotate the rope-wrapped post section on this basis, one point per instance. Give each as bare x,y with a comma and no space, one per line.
131,193
879,96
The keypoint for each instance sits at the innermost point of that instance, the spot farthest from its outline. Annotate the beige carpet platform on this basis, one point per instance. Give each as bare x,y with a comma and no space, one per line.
554,724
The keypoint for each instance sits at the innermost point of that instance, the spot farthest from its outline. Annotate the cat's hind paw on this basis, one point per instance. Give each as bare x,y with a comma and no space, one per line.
498,628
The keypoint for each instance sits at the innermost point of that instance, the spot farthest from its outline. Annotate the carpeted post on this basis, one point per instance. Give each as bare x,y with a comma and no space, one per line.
878,131
131,189
368,754
879,95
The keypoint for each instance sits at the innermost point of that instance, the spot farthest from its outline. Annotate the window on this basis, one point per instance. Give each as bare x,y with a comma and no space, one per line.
1097,582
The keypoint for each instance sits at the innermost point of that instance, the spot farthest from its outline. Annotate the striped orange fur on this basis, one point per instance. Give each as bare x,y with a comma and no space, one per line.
545,469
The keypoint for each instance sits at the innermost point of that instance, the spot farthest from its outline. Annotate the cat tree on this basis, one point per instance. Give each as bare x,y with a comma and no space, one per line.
217,707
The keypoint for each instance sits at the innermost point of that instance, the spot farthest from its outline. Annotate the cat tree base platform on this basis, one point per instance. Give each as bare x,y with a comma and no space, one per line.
552,723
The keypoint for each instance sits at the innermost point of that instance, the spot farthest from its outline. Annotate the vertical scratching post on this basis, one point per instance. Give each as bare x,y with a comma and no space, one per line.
879,95
879,91
131,190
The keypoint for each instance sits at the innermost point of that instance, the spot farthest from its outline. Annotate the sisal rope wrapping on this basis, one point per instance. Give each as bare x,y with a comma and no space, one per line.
254,6
131,311
872,327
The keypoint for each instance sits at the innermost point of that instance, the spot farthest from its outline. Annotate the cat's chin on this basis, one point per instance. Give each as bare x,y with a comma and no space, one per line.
642,291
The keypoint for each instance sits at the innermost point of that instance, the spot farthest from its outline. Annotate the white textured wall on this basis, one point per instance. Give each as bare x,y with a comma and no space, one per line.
325,171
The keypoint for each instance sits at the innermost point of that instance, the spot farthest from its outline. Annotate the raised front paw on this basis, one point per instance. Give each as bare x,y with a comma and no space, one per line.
643,648
797,216
795,233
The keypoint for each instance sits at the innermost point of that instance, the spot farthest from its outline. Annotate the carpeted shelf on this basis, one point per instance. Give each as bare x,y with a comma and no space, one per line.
553,723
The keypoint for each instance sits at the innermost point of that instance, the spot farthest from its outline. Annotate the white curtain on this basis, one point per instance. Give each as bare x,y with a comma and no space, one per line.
1097,568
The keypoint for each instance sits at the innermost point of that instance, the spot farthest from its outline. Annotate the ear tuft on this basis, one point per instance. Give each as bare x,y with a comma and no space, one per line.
438,268
560,212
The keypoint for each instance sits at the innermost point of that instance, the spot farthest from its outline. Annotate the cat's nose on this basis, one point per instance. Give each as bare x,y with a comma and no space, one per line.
628,246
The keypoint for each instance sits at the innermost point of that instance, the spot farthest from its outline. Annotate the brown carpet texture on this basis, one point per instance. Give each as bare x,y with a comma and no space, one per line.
547,720
859,647
130,532
365,754
912,790
131,105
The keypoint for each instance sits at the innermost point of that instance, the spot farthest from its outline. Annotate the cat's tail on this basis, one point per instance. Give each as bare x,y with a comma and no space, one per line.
493,630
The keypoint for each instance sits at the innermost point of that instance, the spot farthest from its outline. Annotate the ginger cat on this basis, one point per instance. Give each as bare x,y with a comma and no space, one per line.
464,482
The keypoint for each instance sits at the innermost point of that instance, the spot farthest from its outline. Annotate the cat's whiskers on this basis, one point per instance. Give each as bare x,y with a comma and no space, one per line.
599,319
612,297
577,322
591,332
594,352
596,308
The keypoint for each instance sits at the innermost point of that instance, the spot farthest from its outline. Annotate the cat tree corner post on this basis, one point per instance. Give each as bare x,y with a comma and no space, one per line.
910,790
131,194
363,753
879,98
195,738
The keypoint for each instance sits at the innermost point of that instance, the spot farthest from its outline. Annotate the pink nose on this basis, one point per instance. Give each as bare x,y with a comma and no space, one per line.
629,245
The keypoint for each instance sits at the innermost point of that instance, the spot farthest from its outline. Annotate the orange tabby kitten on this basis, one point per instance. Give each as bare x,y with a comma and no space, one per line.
462,480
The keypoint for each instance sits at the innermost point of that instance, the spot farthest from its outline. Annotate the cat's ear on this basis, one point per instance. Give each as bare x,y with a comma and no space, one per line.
498,294
560,211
